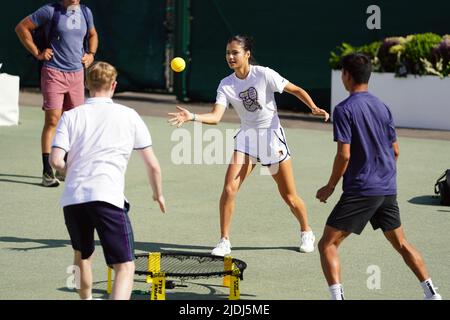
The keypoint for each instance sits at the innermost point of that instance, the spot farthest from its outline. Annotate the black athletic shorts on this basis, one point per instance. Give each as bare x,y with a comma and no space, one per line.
352,213
113,228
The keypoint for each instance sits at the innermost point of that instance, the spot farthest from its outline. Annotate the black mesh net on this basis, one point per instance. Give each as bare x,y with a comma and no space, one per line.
190,265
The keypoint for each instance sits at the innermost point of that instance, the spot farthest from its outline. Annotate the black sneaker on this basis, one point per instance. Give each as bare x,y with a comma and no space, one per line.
49,181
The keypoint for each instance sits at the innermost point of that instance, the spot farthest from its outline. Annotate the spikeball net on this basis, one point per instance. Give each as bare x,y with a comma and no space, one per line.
158,266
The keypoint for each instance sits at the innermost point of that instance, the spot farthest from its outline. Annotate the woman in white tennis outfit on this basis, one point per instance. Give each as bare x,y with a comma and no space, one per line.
250,90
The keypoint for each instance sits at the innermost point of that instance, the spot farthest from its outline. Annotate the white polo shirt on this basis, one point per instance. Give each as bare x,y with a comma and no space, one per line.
253,97
99,137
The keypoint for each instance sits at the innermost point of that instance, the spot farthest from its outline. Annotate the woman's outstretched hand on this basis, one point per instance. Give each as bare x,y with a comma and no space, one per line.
178,118
321,112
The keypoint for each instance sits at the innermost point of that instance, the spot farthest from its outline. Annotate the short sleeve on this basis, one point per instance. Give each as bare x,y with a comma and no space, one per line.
142,137
391,128
276,82
90,19
342,126
41,16
221,97
62,138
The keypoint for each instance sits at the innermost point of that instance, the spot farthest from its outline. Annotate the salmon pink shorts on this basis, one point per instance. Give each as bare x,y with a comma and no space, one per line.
62,90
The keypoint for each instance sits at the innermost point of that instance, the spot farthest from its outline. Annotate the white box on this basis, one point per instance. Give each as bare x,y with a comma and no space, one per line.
9,100
415,102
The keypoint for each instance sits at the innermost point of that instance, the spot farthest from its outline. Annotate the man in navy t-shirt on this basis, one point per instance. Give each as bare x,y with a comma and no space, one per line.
367,152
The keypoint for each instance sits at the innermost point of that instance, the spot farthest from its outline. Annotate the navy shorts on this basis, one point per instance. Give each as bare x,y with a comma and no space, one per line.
352,213
113,228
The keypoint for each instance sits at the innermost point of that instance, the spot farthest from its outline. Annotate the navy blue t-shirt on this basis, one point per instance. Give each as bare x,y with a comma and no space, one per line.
365,122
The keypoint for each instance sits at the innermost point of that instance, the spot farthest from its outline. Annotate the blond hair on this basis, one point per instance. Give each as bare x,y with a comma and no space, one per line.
100,76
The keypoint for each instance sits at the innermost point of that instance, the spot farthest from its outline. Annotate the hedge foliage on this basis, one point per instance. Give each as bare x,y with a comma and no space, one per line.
418,54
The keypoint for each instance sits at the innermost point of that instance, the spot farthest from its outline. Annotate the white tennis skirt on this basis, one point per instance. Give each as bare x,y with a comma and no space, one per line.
267,146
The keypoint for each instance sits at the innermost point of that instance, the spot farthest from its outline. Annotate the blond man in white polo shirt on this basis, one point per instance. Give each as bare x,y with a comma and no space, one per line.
100,136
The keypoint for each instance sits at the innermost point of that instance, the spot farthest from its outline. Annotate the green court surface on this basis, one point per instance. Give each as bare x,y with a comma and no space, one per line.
35,249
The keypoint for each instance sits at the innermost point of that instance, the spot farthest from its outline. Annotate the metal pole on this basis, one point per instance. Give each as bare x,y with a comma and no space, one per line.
182,41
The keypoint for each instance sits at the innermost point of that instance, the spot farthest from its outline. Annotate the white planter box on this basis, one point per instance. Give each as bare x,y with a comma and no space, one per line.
9,100
415,102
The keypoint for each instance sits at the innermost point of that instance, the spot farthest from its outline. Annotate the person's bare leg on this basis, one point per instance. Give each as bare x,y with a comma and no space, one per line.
410,255
123,281
329,258
51,120
284,177
240,168
414,260
48,132
85,281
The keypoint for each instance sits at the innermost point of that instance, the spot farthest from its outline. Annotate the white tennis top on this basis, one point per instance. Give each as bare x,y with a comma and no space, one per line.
99,137
253,97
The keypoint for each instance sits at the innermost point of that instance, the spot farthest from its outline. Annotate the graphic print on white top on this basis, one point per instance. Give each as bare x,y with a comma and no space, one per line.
250,99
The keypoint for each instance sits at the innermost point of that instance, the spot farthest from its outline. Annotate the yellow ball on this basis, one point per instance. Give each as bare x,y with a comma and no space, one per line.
178,64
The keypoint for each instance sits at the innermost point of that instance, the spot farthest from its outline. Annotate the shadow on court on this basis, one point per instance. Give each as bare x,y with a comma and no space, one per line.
140,246
20,181
180,290
45,243
425,200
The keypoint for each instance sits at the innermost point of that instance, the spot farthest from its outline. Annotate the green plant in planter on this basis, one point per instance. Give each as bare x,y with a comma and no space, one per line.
418,54
436,69
420,46
370,50
442,52
390,52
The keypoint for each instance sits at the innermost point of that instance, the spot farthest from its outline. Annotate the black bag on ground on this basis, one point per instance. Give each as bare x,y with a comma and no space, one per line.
442,188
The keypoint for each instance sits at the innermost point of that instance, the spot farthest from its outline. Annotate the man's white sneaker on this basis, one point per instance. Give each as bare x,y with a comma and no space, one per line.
436,296
222,249
307,244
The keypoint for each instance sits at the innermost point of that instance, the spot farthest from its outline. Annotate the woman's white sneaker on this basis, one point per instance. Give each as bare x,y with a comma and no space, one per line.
307,244
222,249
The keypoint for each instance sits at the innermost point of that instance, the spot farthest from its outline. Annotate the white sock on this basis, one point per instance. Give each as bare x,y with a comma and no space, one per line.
428,288
89,298
337,292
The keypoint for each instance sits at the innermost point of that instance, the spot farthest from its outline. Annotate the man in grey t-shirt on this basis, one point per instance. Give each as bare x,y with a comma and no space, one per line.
66,25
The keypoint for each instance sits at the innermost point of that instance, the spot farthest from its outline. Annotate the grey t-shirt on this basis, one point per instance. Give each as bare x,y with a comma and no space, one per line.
67,45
